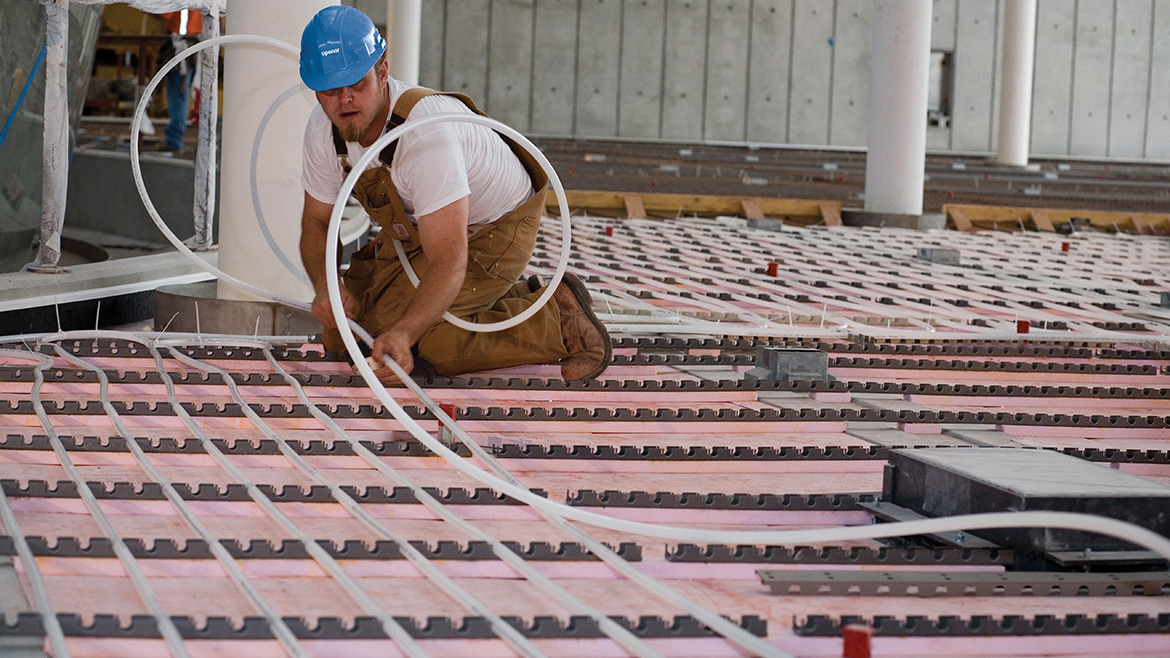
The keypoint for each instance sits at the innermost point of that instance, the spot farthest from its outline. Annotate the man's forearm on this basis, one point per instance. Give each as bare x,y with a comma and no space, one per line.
313,240
437,289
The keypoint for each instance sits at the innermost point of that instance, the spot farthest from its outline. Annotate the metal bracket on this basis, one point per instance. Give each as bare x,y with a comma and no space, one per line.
926,584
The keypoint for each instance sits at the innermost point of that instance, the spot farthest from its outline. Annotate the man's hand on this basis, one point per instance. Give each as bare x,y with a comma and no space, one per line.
396,345
314,233
323,310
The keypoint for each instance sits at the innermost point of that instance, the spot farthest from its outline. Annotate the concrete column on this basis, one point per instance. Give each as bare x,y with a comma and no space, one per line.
55,161
1015,98
899,80
265,107
403,34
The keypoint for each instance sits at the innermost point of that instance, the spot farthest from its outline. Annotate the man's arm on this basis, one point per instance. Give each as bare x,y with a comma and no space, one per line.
443,236
314,238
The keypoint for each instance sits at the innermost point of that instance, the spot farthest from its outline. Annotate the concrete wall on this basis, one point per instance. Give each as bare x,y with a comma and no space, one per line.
794,71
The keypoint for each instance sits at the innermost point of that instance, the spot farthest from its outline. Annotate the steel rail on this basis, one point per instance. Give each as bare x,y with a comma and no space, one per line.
390,625
615,631
279,628
522,645
730,631
166,626
36,579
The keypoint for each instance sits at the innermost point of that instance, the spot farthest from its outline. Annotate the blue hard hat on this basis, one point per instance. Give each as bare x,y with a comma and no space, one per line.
339,47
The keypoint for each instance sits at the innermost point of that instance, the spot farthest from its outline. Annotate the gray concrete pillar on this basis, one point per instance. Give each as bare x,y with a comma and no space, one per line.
899,78
265,107
1015,98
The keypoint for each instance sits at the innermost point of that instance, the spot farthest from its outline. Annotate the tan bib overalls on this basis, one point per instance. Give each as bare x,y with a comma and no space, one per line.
497,254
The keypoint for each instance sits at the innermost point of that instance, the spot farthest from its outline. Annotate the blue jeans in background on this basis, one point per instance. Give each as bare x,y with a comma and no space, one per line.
178,92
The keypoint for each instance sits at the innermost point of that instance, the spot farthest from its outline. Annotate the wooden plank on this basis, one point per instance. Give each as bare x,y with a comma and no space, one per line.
988,215
959,217
831,214
751,209
701,205
992,213
634,208
1041,221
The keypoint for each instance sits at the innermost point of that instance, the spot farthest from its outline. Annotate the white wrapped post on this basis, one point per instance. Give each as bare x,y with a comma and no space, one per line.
204,210
56,139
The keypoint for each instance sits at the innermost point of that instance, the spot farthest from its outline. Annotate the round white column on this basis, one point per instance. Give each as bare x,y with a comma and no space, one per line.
403,28
1015,100
899,72
265,107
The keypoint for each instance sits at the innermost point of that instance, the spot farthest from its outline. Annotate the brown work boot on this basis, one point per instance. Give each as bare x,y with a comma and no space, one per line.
584,335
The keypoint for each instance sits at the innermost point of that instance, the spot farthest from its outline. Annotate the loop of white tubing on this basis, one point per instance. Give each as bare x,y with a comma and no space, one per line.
136,165
553,180
1067,520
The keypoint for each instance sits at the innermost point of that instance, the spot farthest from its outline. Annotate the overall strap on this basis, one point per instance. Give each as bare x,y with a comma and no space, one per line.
398,115
342,151
401,111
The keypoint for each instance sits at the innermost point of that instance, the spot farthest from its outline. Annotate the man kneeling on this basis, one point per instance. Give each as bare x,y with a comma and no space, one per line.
464,201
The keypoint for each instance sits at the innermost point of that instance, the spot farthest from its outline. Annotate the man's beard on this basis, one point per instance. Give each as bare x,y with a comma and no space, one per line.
355,132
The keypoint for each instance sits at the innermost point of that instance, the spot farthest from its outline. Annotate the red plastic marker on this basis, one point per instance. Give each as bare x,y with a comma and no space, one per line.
857,641
1023,326
609,230
449,409
773,269
1065,246
445,433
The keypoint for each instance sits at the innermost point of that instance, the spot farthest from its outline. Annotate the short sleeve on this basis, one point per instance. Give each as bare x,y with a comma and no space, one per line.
321,173
430,169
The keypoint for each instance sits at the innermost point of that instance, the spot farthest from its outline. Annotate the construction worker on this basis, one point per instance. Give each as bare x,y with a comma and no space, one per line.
464,202
184,27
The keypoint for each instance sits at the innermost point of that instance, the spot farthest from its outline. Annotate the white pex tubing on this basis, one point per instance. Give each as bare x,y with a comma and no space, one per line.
1065,520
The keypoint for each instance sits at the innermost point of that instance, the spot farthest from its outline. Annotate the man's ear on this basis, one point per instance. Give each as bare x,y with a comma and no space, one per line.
382,69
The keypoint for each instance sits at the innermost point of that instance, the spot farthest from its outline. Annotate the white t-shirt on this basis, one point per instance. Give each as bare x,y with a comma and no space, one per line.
433,167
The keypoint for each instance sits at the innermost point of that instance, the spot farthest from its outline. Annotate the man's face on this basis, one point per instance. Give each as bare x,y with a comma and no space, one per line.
359,109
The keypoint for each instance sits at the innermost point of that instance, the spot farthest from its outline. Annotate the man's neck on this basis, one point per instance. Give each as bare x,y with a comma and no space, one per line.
379,124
